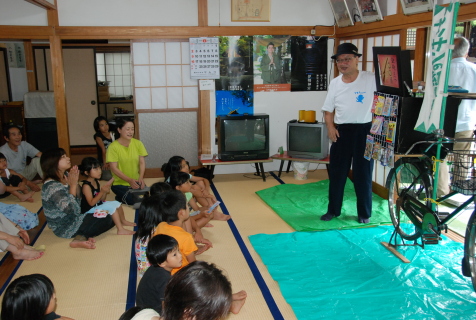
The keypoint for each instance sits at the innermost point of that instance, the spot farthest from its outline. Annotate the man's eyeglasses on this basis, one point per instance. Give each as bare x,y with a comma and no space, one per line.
346,60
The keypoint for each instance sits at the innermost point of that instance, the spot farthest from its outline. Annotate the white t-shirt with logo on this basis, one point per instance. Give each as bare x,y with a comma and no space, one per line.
352,102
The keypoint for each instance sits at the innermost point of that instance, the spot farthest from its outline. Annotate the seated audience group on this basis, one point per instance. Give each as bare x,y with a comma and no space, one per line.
169,235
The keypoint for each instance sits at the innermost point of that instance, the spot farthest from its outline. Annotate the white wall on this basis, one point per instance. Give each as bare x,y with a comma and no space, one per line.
281,107
283,13
128,13
21,13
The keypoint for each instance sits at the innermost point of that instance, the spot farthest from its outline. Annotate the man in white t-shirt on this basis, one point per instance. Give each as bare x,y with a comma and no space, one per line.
16,151
462,73
348,117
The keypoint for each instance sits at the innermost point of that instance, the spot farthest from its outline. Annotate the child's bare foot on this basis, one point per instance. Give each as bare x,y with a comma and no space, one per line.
86,244
26,196
239,299
125,232
26,254
220,216
128,223
208,225
202,249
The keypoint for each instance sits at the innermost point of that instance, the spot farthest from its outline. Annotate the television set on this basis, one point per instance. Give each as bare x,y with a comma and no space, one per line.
307,140
243,137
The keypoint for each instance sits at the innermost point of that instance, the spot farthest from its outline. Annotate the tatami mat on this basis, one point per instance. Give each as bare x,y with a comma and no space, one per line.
92,284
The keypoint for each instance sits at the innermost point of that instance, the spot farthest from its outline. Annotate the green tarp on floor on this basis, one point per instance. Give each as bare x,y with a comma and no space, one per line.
348,274
301,206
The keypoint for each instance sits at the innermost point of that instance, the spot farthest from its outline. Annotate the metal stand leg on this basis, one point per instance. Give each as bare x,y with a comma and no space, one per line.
289,166
262,171
280,168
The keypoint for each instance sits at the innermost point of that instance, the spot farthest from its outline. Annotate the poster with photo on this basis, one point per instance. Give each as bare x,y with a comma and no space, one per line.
309,63
236,63
234,102
272,63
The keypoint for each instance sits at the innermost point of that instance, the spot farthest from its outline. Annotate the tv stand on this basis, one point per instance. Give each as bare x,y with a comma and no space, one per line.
283,157
210,164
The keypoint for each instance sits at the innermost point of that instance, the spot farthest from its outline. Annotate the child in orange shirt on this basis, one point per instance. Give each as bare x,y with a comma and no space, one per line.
173,207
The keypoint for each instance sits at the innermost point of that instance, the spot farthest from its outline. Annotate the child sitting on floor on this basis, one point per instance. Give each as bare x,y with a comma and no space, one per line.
15,183
181,182
94,196
199,189
173,207
149,218
190,225
30,297
164,255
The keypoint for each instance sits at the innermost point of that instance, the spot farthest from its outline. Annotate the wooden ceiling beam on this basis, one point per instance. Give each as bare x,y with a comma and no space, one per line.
174,32
26,32
43,4
400,21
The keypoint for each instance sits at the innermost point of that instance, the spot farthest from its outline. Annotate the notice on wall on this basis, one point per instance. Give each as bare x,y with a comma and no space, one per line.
204,58
15,55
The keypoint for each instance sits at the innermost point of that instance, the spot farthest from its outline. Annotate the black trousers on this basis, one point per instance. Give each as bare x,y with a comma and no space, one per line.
92,226
346,151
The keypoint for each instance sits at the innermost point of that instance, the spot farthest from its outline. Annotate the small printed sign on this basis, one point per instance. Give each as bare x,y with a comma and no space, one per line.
207,85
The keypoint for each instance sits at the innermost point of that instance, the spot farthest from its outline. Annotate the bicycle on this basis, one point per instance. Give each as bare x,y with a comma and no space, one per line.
414,213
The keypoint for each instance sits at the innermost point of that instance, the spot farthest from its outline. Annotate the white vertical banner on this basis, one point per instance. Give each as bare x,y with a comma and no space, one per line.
442,34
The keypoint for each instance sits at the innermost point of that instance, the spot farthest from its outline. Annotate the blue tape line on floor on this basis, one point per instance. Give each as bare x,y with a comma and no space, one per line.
273,308
132,283
276,177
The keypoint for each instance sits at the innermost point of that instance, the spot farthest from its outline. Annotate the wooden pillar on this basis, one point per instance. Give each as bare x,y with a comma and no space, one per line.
30,66
202,13
58,83
420,55
60,93
204,129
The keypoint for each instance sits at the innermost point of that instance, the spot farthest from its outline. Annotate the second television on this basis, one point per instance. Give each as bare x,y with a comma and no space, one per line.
307,140
243,137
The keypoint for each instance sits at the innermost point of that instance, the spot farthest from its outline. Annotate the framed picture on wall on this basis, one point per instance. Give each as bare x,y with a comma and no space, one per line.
250,10
369,10
341,13
392,70
416,6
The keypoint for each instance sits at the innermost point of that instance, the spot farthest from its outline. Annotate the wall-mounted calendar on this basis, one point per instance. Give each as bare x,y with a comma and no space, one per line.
204,58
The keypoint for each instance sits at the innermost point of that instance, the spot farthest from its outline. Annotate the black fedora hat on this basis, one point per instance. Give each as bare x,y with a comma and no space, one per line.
346,48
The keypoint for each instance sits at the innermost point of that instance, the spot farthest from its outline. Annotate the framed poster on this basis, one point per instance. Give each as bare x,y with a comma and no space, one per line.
416,6
250,10
369,10
392,70
341,13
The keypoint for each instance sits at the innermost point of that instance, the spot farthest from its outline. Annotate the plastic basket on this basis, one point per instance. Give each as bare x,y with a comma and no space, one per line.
463,171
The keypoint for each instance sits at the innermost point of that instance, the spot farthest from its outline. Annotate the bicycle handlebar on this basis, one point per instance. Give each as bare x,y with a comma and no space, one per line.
443,140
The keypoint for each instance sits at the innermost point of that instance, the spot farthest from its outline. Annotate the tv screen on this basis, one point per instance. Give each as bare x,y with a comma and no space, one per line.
245,135
312,144
307,140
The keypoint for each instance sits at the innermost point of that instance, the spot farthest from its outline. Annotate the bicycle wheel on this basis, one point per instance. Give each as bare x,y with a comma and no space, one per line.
400,180
470,248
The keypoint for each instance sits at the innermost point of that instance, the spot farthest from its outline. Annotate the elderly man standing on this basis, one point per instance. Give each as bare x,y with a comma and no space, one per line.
348,117
462,73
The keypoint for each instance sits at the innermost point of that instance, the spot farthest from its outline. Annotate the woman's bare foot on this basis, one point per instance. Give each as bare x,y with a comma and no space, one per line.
239,300
25,254
208,225
128,223
86,244
92,240
26,196
125,232
220,216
